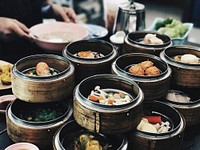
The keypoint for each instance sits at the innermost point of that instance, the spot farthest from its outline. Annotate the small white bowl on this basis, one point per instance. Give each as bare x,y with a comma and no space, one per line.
22,146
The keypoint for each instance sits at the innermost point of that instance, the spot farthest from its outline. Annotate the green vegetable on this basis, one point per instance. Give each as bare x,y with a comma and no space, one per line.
160,24
44,115
171,27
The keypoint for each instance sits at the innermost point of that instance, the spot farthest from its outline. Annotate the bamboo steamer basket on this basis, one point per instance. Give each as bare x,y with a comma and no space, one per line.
171,140
103,118
85,67
183,75
190,110
38,89
153,87
38,133
68,132
133,44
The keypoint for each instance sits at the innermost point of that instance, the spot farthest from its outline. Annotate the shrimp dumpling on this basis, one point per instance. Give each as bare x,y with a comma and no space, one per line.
152,71
136,70
146,64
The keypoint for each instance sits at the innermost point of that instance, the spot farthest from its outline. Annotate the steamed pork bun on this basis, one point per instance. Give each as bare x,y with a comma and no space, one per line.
152,39
190,59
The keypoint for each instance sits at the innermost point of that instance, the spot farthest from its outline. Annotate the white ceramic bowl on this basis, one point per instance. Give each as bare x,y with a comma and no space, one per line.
22,146
176,41
54,36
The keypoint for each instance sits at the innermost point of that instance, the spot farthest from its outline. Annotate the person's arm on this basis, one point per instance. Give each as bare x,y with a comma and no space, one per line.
11,28
60,12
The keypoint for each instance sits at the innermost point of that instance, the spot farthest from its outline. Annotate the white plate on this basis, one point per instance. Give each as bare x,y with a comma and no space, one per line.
96,31
2,86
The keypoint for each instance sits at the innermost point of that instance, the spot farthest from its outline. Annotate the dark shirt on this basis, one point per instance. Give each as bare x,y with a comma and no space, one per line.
29,13
25,11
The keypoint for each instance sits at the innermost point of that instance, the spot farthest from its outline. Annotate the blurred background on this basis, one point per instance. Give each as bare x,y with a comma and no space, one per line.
93,11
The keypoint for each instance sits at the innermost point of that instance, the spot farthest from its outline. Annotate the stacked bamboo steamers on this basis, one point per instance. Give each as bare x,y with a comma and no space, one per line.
185,81
99,120
37,94
116,126
155,88
111,120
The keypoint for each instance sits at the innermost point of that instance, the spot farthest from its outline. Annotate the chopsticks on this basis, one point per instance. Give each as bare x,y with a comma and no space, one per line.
3,131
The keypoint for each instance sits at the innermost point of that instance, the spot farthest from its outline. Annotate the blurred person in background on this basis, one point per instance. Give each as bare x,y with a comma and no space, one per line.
17,16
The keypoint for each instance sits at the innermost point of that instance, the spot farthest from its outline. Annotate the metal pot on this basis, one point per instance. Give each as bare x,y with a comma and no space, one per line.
130,17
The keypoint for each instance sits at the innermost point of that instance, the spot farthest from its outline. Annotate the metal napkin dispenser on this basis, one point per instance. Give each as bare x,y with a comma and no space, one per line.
130,17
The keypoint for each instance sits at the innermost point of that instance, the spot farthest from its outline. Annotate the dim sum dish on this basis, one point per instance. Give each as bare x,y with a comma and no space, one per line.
146,42
39,113
74,137
102,101
184,62
5,75
187,58
144,68
147,70
41,69
187,102
109,96
37,122
154,124
90,57
40,78
89,54
162,127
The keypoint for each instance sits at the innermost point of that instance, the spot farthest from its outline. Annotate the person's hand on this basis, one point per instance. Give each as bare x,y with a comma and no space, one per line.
11,28
64,13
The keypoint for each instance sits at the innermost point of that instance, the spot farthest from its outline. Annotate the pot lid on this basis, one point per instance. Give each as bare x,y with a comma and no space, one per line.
131,6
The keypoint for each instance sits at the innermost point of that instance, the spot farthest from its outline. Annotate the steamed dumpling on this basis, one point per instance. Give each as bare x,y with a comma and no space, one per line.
152,39
190,59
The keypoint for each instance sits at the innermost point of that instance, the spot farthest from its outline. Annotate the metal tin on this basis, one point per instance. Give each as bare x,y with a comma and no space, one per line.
130,17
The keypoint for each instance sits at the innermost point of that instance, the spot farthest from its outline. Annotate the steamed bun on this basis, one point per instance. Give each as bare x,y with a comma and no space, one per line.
190,59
